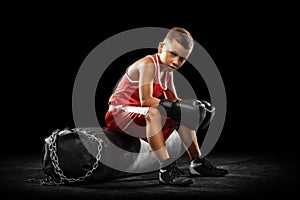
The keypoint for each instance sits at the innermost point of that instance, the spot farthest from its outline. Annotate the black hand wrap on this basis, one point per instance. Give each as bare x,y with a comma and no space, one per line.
190,113
210,113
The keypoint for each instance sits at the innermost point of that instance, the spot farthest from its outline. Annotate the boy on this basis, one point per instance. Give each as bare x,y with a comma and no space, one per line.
136,108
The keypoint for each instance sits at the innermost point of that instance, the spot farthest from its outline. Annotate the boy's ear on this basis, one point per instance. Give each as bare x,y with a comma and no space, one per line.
160,46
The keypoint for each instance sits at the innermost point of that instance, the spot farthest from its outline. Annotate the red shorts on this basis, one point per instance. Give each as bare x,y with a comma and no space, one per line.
135,124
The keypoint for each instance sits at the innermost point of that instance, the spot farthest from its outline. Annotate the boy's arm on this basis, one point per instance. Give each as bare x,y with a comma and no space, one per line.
146,76
170,93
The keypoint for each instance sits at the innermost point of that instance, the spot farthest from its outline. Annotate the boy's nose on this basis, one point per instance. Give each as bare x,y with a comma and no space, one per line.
175,62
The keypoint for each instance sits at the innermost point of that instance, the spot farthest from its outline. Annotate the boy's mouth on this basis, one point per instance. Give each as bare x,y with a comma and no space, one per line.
172,68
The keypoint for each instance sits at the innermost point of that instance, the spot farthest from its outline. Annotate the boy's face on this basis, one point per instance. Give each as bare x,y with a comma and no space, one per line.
173,55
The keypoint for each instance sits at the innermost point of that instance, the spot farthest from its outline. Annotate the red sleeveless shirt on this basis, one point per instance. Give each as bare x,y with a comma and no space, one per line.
126,94
127,91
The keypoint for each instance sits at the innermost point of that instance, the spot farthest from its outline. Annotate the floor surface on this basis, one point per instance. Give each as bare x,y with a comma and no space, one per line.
251,176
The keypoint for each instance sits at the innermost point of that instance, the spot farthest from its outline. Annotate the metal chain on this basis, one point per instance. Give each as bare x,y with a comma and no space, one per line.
55,161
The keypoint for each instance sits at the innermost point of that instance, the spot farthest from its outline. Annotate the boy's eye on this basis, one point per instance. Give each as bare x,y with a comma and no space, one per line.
175,54
182,59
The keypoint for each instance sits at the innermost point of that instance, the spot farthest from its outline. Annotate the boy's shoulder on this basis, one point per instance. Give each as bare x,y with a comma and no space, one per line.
146,60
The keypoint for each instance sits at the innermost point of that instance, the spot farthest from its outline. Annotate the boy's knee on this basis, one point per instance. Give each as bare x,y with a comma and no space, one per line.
153,113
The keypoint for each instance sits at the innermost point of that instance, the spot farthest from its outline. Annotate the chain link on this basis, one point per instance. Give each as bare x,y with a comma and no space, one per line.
55,161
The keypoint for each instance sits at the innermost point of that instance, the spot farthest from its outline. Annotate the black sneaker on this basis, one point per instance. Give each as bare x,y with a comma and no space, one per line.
172,175
204,167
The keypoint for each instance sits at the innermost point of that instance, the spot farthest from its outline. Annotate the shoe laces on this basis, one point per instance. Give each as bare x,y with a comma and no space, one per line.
176,171
207,163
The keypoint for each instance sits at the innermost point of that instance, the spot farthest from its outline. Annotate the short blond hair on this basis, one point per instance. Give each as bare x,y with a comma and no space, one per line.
182,36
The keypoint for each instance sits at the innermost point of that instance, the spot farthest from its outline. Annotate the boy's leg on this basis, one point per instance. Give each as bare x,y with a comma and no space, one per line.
155,135
168,173
198,166
189,139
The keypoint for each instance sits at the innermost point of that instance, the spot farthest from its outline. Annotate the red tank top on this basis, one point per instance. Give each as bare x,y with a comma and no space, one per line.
127,91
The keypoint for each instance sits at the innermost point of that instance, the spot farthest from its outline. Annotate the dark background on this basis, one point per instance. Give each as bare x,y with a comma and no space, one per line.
252,48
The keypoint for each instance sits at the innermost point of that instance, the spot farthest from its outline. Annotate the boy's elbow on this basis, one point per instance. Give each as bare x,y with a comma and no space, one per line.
144,103
147,102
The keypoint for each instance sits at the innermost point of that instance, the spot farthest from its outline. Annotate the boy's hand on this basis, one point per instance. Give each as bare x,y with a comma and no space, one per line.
190,113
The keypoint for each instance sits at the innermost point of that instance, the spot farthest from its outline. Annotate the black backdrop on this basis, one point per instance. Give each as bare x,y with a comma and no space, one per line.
43,52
